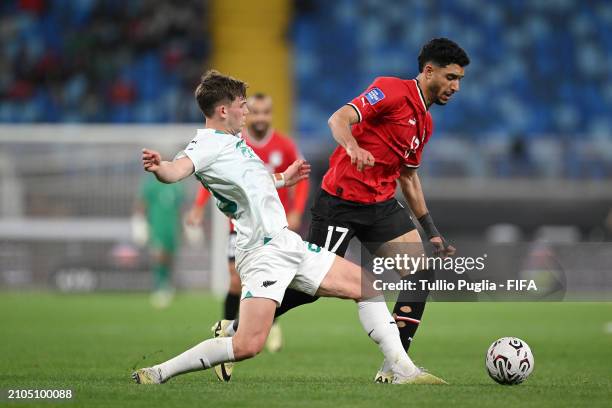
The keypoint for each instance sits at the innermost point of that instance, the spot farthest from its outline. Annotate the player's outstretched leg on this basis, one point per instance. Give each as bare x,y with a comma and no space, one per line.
248,342
410,306
345,280
407,312
292,299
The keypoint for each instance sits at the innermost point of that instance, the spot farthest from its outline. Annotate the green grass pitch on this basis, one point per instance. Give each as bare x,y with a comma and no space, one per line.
91,343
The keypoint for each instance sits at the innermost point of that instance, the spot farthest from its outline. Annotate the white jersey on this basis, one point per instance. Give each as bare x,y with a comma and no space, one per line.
242,186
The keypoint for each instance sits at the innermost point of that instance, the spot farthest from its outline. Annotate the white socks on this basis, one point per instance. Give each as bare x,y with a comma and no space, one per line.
380,326
207,354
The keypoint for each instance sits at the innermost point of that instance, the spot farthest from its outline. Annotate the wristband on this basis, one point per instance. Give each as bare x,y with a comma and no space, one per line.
279,180
428,226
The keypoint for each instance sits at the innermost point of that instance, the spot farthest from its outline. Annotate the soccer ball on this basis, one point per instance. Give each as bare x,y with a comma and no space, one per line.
509,361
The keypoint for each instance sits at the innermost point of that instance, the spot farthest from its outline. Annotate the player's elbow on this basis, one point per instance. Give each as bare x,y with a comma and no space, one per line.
166,177
332,121
338,118
343,118
162,178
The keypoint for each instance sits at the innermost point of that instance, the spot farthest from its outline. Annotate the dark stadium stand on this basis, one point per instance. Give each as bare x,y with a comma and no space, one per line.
101,61
536,99
538,67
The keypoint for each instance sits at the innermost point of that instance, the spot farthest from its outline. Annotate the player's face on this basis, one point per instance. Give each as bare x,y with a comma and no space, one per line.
445,82
259,119
236,114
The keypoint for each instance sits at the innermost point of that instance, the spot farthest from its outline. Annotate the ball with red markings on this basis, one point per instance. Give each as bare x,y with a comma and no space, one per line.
509,361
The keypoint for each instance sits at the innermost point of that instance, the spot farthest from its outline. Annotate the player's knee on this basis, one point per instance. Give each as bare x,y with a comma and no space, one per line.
248,350
245,348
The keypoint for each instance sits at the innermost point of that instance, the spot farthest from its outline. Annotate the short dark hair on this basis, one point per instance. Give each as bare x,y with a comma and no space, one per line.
215,88
442,52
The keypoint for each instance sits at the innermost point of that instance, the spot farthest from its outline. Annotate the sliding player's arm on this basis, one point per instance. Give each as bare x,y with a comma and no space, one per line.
340,124
413,193
297,171
166,171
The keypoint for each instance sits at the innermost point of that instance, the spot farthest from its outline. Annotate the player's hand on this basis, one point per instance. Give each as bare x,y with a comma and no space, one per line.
294,219
298,171
441,247
360,157
151,160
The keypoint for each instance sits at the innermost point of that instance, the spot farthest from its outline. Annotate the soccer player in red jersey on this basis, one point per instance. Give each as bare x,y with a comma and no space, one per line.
381,135
277,151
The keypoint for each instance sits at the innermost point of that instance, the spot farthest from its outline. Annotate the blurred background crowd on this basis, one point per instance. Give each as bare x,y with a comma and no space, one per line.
537,94
101,61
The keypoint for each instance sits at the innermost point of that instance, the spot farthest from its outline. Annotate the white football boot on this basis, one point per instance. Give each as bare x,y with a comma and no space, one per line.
147,375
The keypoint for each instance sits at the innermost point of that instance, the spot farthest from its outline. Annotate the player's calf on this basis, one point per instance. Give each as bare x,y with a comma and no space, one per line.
257,317
249,340
345,279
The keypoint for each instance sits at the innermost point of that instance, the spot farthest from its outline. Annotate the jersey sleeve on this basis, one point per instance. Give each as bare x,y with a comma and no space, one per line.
202,151
377,99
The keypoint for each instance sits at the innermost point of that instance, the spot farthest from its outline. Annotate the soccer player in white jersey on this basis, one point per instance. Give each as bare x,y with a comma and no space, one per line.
270,258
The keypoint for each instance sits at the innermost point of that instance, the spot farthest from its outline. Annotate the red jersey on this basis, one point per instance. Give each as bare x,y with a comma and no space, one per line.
277,152
394,125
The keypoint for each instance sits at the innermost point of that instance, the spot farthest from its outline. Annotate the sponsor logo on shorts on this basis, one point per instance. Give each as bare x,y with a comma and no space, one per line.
265,284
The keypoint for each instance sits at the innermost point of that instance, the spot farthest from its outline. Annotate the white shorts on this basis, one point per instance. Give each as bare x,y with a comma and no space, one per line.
285,262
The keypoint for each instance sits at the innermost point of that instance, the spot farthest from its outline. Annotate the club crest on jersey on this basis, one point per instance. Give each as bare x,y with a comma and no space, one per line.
374,96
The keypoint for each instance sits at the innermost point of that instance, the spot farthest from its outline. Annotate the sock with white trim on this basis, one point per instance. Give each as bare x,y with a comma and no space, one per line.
207,354
380,326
